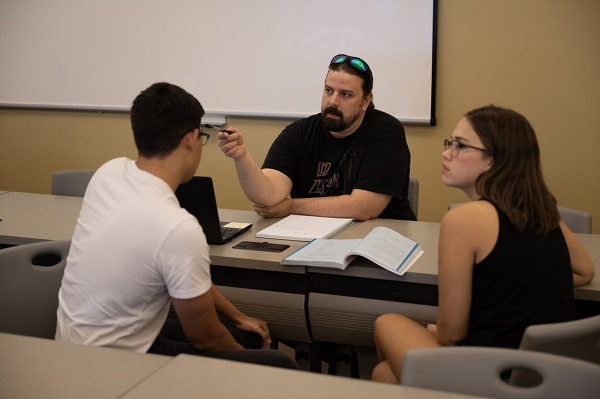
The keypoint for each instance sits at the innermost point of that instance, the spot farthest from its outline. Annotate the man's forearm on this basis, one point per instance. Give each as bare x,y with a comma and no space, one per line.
260,188
253,181
224,306
356,206
201,325
220,340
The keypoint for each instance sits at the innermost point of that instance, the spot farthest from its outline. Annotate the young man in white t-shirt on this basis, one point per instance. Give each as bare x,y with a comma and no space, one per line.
135,251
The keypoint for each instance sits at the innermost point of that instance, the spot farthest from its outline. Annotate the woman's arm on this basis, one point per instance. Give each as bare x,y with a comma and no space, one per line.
467,235
581,263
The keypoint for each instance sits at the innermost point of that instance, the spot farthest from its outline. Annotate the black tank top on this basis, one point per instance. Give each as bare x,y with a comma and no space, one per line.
526,279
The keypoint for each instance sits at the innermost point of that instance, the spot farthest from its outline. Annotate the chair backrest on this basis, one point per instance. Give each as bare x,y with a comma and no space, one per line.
578,339
30,278
481,371
454,205
578,221
413,195
71,182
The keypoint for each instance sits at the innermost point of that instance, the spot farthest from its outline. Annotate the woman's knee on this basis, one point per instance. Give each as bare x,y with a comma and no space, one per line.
383,373
388,322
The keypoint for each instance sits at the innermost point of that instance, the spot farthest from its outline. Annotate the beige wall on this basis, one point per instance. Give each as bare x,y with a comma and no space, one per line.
539,57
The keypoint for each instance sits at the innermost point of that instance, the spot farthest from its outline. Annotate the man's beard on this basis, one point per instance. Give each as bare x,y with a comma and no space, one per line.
338,125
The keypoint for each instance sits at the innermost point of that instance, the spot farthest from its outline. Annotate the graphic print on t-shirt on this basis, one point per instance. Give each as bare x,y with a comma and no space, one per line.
322,184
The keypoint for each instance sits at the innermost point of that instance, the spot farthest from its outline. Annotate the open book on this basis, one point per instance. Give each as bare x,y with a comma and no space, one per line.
383,246
304,228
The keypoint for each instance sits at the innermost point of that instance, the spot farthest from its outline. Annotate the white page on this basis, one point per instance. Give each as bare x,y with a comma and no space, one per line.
304,228
385,247
325,251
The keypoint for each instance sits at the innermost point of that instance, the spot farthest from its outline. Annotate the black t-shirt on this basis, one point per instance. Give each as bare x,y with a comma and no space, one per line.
527,279
374,158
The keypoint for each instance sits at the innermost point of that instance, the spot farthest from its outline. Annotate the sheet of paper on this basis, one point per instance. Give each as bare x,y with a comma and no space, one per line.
304,228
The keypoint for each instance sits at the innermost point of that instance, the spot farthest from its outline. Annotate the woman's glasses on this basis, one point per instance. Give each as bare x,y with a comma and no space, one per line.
455,146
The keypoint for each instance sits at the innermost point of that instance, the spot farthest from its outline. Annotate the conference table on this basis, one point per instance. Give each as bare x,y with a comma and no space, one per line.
41,368
301,304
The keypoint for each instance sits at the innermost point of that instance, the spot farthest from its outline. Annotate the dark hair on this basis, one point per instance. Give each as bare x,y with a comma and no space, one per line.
160,116
367,77
514,182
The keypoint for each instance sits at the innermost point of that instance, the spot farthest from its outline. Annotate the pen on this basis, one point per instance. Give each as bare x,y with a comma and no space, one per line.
220,129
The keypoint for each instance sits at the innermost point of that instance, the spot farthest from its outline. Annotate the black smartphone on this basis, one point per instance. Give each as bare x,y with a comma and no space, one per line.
261,246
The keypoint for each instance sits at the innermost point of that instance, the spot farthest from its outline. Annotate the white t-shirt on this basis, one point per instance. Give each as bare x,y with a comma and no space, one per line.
133,249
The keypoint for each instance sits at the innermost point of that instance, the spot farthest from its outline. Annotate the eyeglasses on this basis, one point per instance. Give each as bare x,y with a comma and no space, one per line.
355,62
455,146
203,137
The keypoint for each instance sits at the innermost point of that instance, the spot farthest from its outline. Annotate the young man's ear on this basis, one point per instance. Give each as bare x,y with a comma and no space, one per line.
190,138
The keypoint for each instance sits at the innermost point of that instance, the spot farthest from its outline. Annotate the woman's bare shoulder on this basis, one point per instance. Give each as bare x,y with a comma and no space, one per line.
473,211
473,225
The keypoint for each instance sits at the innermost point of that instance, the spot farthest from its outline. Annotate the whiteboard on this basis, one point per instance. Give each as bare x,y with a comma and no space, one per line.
263,58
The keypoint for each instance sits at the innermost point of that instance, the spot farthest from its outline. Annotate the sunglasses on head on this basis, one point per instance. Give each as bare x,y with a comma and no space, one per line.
355,62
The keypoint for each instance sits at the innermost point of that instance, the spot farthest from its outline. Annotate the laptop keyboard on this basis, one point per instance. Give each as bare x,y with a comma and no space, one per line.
227,232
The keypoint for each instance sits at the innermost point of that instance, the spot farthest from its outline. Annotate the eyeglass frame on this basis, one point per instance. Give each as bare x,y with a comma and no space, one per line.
357,63
202,134
455,148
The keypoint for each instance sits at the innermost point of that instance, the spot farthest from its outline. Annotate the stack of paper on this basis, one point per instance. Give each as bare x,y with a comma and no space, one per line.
304,228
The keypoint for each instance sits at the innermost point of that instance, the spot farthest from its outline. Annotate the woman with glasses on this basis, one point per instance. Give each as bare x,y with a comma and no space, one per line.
506,260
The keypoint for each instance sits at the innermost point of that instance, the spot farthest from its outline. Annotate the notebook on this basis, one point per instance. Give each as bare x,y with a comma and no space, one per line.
198,197
304,228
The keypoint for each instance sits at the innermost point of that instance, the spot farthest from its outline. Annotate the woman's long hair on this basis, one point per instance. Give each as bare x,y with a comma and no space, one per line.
514,182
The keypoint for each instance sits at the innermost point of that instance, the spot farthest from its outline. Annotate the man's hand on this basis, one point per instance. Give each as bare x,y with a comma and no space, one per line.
231,143
251,324
282,209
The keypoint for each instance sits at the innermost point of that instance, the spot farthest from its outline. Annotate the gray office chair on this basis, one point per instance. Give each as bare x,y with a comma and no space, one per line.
71,182
481,371
30,277
413,195
454,205
578,221
579,339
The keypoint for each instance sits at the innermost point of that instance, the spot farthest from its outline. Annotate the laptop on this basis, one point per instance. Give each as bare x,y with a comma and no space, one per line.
198,197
